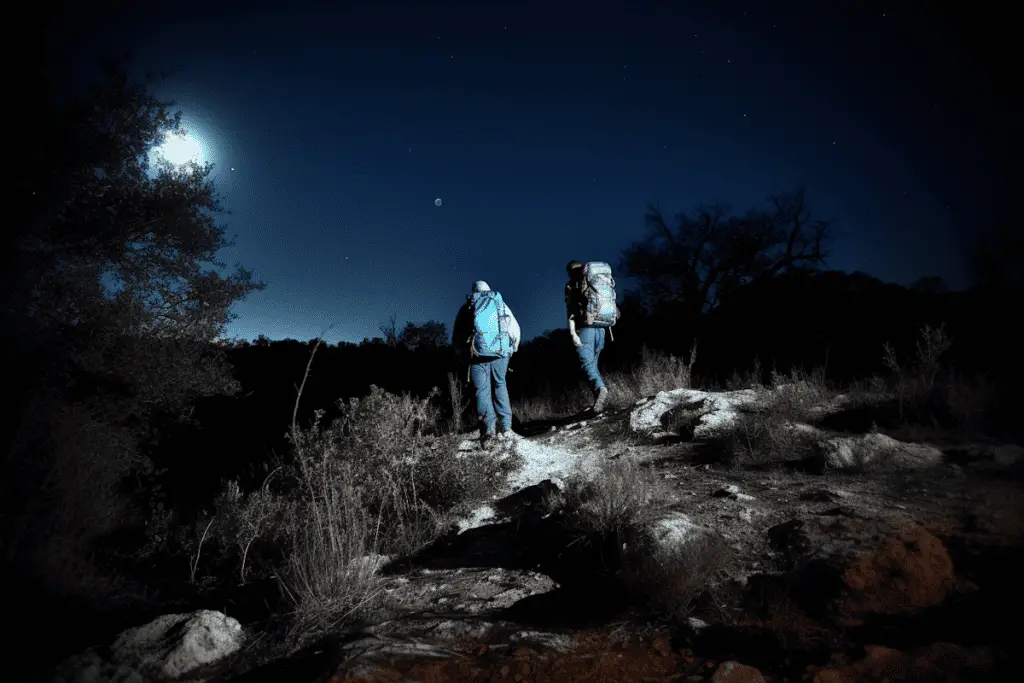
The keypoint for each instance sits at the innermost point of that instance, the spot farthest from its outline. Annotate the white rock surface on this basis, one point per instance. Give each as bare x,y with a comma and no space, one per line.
169,648
859,451
718,410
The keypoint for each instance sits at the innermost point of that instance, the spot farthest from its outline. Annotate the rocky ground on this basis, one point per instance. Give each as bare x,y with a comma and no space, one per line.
871,560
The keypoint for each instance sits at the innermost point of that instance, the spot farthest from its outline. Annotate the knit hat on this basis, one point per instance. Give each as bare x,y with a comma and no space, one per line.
481,286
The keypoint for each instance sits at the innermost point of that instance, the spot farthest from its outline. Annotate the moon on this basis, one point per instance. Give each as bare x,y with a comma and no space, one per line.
180,148
437,202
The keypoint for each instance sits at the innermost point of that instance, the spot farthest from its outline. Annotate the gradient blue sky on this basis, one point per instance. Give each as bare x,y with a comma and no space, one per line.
546,129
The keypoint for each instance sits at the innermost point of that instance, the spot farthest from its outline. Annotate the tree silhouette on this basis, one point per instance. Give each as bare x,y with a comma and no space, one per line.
390,331
431,334
691,265
112,301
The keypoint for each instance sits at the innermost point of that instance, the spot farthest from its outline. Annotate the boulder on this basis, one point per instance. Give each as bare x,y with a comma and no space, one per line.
855,452
169,648
905,574
734,672
850,569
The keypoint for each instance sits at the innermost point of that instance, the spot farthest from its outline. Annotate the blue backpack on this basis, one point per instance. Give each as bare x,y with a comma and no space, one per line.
490,325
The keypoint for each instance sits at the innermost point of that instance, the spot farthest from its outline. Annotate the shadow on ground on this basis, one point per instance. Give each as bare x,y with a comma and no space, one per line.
536,538
543,426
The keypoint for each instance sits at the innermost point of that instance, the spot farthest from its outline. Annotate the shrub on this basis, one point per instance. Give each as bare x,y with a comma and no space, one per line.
621,498
670,578
654,372
552,406
382,478
925,394
771,432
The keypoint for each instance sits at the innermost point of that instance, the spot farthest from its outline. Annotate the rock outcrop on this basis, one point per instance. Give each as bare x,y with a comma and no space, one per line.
173,647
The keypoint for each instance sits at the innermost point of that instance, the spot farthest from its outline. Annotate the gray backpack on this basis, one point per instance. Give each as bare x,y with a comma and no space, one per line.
599,290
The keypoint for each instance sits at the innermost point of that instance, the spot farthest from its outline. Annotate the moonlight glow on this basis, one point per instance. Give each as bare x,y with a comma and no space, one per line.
180,148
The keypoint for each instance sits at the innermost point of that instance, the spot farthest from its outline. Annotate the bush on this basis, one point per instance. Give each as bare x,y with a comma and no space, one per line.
381,479
671,578
771,432
331,568
622,498
926,394
654,372
625,501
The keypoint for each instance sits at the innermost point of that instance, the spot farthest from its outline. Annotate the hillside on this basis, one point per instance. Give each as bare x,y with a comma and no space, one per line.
626,548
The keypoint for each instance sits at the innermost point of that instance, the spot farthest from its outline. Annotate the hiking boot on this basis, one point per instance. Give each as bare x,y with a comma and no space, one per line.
602,398
487,440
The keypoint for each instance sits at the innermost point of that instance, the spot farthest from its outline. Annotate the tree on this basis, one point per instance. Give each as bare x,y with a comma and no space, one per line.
707,255
429,335
390,331
113,300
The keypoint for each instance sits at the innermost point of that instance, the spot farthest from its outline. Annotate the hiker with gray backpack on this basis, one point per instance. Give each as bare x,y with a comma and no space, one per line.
486,334
592,312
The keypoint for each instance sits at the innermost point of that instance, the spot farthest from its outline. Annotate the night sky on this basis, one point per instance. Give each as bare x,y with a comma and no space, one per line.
545,129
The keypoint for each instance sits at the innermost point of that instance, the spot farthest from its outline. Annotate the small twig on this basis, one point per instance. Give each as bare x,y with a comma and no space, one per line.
305,376
194,565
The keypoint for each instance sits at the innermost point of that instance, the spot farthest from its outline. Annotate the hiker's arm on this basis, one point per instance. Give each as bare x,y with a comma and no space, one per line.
572,332
570,313
515,334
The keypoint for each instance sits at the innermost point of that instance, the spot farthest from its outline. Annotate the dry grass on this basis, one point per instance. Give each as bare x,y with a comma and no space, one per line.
768,434
654,372
626,500
552,406
927,394
382,479
623,497
372,483
670,578
331,569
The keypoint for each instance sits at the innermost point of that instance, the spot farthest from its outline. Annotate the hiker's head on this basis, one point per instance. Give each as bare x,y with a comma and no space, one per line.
481,286
575,269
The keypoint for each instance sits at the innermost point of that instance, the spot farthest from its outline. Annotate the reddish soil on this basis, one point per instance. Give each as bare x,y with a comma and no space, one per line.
598,657
905,575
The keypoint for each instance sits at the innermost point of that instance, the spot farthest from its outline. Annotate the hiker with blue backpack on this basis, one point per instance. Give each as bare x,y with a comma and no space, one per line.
592,312
487,334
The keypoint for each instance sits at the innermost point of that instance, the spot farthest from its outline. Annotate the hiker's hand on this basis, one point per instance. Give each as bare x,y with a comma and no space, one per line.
576,340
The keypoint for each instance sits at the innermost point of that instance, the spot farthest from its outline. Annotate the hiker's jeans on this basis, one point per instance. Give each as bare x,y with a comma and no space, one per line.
589,351
492,394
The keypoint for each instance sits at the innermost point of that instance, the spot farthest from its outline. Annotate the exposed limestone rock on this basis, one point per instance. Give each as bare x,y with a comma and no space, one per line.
170,648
